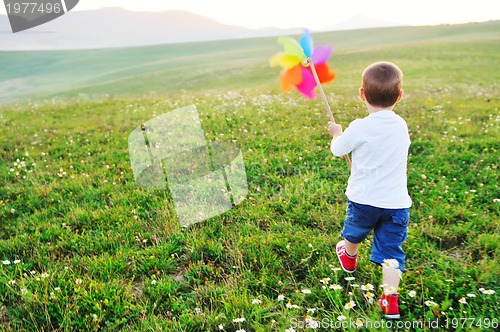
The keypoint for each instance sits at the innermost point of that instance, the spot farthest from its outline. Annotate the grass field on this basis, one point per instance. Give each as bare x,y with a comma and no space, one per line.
83,248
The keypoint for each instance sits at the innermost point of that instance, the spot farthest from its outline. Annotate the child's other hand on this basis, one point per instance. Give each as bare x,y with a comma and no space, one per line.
334,129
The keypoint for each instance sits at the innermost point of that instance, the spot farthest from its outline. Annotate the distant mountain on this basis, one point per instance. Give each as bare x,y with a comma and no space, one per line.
117,27
361,22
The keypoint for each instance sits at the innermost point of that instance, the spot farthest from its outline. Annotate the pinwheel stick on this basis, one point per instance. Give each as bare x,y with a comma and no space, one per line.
327,106
322,93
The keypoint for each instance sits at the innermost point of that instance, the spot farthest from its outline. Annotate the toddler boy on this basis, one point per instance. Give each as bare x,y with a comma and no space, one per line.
377,194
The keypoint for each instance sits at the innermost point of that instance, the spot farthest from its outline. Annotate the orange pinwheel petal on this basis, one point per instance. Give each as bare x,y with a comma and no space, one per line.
290,78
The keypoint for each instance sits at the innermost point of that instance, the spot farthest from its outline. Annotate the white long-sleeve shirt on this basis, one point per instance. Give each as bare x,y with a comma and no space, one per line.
379,144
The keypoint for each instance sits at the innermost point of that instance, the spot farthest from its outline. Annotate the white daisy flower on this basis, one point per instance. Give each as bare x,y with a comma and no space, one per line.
312,324
392,263
349,305
430,303
367,287
369,295
325,281
292,306
390,290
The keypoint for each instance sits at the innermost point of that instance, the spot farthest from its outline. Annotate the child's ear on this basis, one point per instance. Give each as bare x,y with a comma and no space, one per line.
362,94
401,93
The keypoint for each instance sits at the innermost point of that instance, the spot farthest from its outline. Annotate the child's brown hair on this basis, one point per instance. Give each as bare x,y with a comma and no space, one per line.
382,84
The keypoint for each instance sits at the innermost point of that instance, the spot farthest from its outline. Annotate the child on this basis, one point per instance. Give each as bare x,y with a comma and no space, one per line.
377,195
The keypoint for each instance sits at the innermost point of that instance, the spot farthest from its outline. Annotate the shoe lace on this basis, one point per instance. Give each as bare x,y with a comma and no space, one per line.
343,252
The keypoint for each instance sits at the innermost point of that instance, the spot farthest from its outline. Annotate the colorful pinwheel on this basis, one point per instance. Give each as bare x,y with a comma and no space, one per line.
305,67
300,60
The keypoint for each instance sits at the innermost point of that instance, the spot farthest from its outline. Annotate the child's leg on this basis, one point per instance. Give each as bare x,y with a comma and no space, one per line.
389,301
351,248
387,251
388,238
359,222
390,279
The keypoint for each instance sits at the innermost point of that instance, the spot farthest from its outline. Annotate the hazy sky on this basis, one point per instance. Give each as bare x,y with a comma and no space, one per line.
315,14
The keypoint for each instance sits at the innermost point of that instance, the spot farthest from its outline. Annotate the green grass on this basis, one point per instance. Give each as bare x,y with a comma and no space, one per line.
89,250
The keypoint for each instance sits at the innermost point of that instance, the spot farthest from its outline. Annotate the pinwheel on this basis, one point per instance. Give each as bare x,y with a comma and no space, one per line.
300,61
305,67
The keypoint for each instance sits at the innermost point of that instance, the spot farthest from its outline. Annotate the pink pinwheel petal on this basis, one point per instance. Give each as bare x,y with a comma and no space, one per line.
306,87
321,54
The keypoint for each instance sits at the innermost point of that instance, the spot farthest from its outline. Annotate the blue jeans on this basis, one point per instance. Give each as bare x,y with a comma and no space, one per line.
390,230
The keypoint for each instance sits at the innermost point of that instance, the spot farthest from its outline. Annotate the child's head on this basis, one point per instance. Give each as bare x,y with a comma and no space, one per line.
382,84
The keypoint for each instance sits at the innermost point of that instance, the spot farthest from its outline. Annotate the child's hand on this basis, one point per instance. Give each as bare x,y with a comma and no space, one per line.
334,129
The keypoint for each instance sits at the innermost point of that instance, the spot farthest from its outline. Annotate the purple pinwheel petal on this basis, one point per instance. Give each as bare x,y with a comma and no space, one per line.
306,87
321,54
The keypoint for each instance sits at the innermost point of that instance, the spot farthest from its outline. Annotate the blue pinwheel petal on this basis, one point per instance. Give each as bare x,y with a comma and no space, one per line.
307,43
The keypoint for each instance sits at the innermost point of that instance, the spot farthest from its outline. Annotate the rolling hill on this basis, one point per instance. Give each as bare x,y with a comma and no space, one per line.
118,27
164,69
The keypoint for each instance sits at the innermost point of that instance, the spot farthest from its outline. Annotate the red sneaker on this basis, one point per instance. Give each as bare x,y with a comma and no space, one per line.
347,262
389,305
